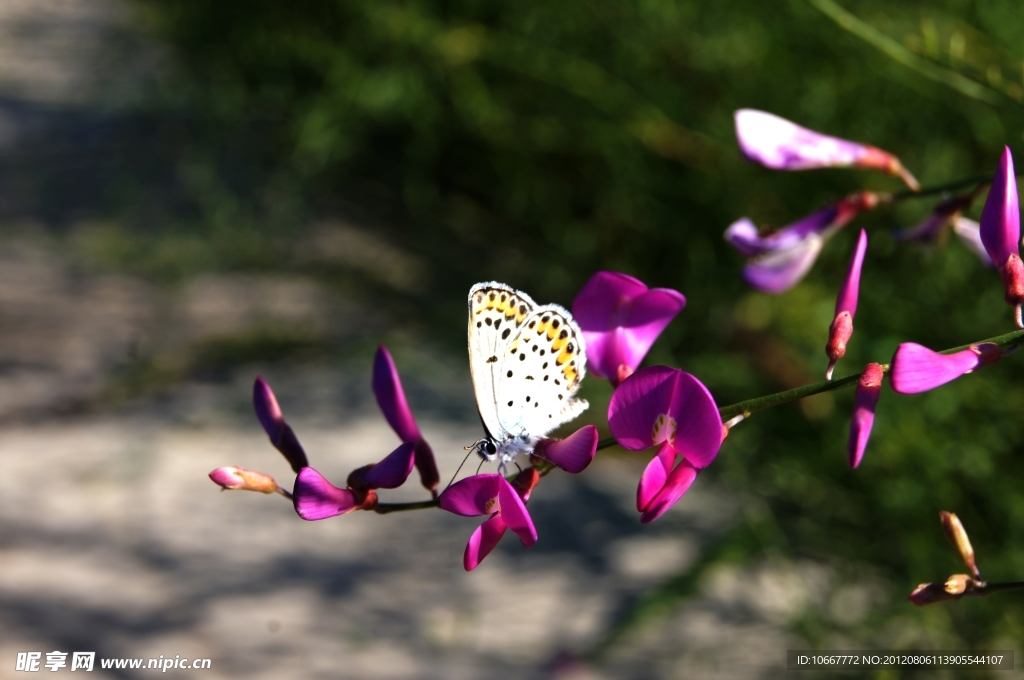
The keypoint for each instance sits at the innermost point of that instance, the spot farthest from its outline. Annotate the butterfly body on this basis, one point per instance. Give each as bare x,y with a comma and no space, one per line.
527,361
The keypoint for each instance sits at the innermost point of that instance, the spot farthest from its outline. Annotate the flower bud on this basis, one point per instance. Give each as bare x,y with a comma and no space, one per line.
930,593
957,535
236,478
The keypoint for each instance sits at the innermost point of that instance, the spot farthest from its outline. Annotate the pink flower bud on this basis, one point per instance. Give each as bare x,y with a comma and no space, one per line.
237,478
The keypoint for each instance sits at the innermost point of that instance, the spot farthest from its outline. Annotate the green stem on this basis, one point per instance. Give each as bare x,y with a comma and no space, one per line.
990,588
974,180
385,508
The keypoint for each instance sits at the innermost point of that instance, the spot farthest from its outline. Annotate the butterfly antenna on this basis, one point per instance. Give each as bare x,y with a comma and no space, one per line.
480,465
470,450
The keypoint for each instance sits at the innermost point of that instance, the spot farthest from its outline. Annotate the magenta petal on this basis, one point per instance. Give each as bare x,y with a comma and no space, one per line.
572,454
391,472
654,476
513,512
847,300
483,541
699,427
676,485
272,419
779,144
637,402
919,369
869,387
620,320
472,496
1000,220
316,498
661,391
778,271
391,398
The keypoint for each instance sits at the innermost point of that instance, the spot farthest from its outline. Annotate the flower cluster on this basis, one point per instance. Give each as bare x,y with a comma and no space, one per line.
659,408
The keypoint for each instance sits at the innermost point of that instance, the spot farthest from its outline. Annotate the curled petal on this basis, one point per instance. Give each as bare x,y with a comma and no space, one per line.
1000,219
387,387
782,145
778,271
869,387
919,369
472,496
514,514
483,541
678,482
654,476
316,498
746,238
969,232
620,319
682,405
572,454
272,419
391,472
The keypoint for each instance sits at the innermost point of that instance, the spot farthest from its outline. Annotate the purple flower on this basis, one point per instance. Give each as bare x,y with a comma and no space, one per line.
665,407
1000,232
841,330
919,369
237,478
492,495
316,498
621,318
782,145
272,419
779,260
869,388
572,454
387,387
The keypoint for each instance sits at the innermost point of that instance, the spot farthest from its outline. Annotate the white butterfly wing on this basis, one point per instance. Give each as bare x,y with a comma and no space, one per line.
539,374
496,313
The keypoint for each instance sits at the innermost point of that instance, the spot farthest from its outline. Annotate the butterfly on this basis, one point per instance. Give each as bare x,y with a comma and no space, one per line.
527,361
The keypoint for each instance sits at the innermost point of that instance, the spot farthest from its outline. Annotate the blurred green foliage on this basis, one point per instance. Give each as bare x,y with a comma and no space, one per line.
536,142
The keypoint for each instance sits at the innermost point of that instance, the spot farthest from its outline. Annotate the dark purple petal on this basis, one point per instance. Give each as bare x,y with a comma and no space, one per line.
483,541
427,466
676,485
391,472
969,232
391,398
514,514
781,145
472,496
654,476
272,419
267,409
637,403
919,369
1000,220
847,300
927,230
572,454
316,498
869,387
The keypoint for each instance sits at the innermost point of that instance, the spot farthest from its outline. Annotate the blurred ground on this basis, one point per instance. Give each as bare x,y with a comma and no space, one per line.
113,540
